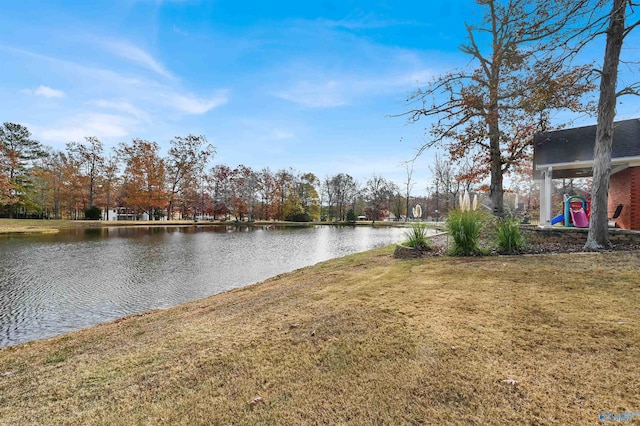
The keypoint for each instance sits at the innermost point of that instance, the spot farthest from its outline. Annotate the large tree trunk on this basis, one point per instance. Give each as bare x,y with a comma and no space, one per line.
495,187
493,120
170,209
406,217
598,237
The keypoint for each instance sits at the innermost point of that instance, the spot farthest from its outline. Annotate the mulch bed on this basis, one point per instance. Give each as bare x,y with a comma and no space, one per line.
441,243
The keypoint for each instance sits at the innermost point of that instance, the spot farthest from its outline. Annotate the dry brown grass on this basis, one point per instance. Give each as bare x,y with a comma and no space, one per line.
28,226
365,339
25,226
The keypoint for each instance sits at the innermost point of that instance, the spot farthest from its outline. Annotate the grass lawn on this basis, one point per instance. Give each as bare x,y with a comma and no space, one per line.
26,226
366,339
30,226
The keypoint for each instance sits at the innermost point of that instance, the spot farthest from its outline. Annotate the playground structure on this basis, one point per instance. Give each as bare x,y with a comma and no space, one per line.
569,153
576,212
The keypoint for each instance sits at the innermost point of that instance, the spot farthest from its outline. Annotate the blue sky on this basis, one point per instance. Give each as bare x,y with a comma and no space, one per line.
305,84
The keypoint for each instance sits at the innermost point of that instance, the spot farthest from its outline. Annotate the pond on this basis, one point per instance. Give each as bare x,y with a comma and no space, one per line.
53,284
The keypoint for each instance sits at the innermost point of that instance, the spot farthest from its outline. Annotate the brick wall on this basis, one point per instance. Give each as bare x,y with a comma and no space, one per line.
619,193
624,188
634,202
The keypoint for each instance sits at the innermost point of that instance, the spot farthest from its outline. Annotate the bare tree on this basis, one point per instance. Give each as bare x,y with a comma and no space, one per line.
283,186
244,184
409,184
266,192
341,190
110,179
185,165
489,113
378,193
219,186
89,155
445,177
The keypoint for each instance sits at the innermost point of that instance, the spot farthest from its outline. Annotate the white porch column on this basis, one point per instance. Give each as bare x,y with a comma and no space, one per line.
545,198
543,202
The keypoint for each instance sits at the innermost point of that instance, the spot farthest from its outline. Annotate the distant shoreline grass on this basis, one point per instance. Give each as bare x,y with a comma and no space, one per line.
364,339
39,226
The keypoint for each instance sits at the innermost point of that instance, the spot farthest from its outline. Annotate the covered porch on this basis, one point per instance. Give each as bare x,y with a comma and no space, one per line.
568,153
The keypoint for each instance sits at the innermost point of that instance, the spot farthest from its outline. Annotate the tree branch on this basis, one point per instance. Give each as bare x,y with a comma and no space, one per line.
633,89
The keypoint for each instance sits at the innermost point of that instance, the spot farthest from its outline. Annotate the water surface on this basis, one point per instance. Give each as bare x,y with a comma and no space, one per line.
52,284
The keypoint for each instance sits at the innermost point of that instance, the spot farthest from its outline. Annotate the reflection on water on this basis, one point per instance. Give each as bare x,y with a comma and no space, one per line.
51,284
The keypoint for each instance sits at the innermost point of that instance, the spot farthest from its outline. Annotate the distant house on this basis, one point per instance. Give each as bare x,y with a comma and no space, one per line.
110,214
569,154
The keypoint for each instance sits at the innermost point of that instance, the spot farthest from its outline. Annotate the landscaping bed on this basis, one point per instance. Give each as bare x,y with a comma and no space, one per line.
569,244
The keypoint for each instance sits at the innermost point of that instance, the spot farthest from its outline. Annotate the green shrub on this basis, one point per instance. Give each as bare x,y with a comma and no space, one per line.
417,237
299,217
464,227
93,213
509,240
351,216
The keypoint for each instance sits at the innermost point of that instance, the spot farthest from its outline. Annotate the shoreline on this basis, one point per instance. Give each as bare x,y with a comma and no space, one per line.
49,226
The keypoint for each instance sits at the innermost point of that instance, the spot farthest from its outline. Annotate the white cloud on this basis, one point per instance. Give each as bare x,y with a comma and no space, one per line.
121,106
192,105
137,55
180,31
335,93
142,99
48,92
45,91
89,124
71,70
360,20
279,134
416,77
315,95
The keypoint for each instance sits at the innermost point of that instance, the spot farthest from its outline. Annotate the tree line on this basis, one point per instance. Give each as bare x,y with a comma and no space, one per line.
84,180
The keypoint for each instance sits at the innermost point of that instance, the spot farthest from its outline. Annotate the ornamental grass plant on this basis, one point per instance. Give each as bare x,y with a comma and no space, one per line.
417,237
509,240
465,226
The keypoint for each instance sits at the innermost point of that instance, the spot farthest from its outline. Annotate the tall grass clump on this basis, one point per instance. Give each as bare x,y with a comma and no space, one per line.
464,227
509,240
417,237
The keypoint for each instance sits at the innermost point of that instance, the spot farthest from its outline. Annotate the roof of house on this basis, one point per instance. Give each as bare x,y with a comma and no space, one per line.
570,151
